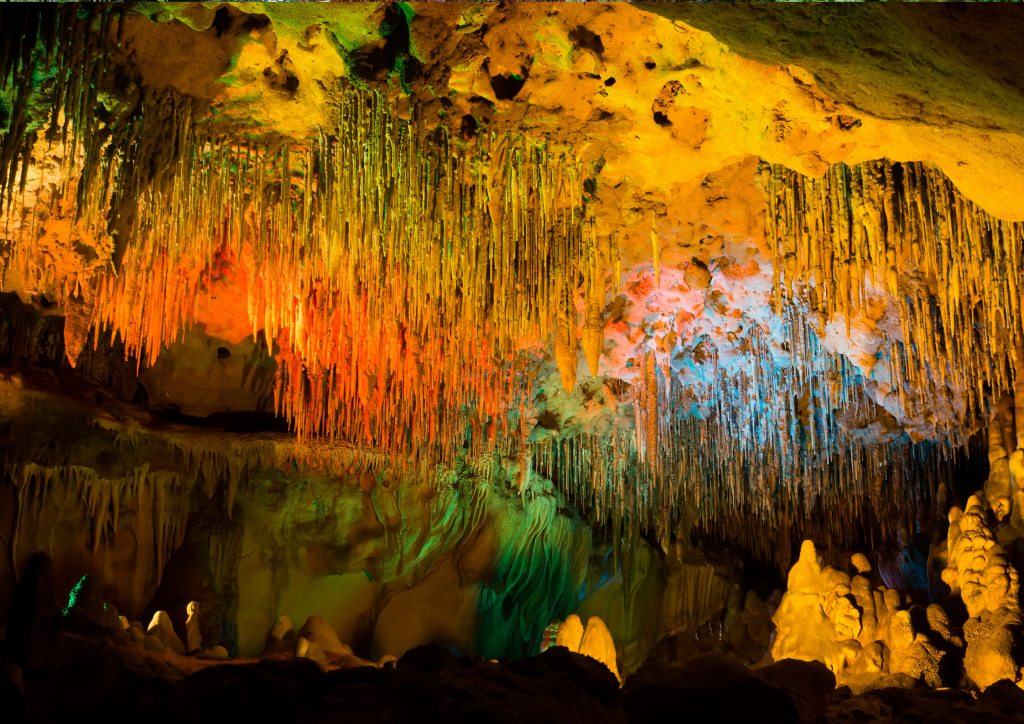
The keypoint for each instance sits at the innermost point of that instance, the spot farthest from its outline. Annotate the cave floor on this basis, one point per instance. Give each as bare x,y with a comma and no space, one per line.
94,677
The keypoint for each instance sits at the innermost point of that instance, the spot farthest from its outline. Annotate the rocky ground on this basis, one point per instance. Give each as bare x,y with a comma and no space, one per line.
90,677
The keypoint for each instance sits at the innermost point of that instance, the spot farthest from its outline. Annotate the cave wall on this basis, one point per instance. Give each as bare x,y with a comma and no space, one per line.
469,562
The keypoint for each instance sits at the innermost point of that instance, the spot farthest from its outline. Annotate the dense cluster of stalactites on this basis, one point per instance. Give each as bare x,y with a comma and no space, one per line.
399,276
769,453
406,277
902,232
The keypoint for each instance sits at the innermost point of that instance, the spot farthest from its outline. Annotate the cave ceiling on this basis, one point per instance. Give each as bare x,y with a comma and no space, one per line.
663,253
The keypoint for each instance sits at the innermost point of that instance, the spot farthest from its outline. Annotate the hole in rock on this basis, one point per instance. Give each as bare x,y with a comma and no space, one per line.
223,353
222,21
610,82
507,85
587,39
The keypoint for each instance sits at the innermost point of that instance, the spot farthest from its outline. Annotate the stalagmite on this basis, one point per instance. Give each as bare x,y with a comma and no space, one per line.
162,628
597,644
570,633
997,487
989,586
804,630
306,649
193,634
320,634
281,636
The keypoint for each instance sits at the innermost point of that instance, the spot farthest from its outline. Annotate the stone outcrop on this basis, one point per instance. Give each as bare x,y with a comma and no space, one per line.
867,638
815,614
33,616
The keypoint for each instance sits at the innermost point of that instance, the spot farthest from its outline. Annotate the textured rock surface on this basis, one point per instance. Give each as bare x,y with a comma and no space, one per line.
441,322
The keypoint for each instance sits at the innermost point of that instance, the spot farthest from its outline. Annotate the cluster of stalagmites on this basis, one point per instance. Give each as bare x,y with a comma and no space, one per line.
872,636
34,621
964,625
317,641
594,641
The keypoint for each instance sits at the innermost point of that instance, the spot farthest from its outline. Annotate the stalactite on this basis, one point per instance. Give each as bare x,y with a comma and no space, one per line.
599,253
768,451
335,275
897,231
400,273
102,500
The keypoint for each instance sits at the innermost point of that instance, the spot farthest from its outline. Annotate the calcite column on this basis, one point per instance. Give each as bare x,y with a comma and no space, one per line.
997,487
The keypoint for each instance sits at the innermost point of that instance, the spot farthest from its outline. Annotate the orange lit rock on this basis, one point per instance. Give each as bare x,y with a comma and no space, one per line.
597,644
570,633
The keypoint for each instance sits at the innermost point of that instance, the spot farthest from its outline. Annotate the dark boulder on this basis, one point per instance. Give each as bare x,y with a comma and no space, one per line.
809,684
271,690
33,616
432,683
588,675
710,687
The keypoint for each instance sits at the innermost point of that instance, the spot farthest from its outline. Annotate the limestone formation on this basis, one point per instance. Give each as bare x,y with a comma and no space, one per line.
193,635
442,358
597,644
988,584
306,649
570,633
137,635
281,637
318,632
162,629
152,642
998,485
594,641
867,638
805,629
912,653
978,567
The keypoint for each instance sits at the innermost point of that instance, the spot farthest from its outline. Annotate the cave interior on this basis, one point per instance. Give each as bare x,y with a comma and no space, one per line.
512,361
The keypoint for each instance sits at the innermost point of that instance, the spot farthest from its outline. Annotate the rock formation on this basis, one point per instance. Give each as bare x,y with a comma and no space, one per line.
585,359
